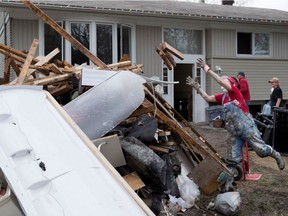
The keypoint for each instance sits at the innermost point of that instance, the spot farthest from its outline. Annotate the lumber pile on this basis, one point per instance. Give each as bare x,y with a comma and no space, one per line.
56,76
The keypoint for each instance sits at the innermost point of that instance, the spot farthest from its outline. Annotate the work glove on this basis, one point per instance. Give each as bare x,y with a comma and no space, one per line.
202,64
192,82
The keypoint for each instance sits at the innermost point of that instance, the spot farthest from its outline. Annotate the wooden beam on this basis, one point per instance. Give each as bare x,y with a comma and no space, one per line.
15,52
43,59
170,58
27,62
7,70
67,36
167,47
164,58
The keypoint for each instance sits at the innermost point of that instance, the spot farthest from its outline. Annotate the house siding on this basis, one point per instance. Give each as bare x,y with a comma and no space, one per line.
23,33
147,38
280,45
258,72
223,43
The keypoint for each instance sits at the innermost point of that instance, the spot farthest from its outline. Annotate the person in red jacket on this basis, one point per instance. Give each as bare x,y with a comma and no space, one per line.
244,87
239,122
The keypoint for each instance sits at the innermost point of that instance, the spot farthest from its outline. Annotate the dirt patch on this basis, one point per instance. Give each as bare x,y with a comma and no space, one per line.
267,196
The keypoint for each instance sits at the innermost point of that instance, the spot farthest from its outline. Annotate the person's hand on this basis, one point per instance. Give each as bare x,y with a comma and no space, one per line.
200,62
192,82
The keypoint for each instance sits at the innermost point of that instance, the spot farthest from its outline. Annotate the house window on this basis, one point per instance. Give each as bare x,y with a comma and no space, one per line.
165,78
253,43
53,40
124,42
80,31
104,43
186,41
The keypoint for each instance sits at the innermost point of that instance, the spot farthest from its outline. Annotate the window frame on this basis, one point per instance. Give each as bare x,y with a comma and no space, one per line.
66,50
253,55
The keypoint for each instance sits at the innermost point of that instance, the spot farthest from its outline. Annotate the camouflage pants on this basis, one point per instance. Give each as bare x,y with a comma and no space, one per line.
242,128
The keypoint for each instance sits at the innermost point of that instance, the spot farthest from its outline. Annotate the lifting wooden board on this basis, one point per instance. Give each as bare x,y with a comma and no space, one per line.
167,47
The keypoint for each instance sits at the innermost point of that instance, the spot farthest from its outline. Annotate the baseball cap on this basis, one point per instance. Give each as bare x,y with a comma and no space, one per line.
241,73
274,79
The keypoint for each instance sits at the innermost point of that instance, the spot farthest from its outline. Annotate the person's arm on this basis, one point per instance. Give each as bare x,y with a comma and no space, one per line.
223,82
278,102
197,87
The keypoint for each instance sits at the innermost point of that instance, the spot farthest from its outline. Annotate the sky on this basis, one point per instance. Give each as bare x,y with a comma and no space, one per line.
272,4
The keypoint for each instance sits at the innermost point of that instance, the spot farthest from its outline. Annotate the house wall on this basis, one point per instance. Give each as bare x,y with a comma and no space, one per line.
147,38
23,34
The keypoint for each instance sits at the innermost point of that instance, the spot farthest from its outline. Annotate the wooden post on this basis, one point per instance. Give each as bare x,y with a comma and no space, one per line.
67,36
7,69
27,62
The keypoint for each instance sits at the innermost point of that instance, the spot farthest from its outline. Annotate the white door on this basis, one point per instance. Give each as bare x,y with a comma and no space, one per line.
199,104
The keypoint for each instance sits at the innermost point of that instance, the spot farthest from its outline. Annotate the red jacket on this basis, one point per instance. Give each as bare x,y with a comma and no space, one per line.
244,88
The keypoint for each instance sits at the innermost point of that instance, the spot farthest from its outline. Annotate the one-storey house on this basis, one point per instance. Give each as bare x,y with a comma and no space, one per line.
229,38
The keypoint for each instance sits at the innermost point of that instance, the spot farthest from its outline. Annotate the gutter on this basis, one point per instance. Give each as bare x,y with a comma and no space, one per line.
136,12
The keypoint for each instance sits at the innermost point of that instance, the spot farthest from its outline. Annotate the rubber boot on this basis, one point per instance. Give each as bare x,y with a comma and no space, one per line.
280,162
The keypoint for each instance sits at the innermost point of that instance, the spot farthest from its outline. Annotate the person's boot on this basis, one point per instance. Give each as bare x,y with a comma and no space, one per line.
280,162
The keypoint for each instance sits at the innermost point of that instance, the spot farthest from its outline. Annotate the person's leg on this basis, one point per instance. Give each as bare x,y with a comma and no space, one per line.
236,149
253,137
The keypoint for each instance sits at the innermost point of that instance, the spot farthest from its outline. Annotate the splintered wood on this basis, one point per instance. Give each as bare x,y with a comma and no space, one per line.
165,51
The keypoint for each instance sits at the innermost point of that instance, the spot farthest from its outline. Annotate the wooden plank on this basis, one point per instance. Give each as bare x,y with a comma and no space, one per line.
134,181
27,62
170,58
65,34
141,111
164,58
159,149
7,69
205,175
16,52
167,47
44,59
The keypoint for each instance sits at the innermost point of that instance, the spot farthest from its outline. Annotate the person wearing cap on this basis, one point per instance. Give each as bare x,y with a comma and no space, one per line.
276,96
239,122
244,87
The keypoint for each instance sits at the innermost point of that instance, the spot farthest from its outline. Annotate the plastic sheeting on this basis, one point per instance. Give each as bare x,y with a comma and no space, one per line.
103,107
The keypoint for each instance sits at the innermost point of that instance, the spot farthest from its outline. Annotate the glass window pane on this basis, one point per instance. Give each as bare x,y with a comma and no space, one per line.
124,42
244,43
261,44
52,40
185,40
165,78
80,31
104,43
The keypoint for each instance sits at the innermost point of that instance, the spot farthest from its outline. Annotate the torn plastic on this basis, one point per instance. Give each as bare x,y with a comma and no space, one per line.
189,191
228,203
104,106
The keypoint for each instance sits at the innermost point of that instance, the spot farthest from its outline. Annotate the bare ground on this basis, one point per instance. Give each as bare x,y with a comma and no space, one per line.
267,196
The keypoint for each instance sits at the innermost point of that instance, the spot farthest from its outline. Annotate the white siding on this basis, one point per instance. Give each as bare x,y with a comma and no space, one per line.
258,72
147,39
223,43
24,32
280,45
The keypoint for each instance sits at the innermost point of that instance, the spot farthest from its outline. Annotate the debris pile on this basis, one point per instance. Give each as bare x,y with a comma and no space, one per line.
151,137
